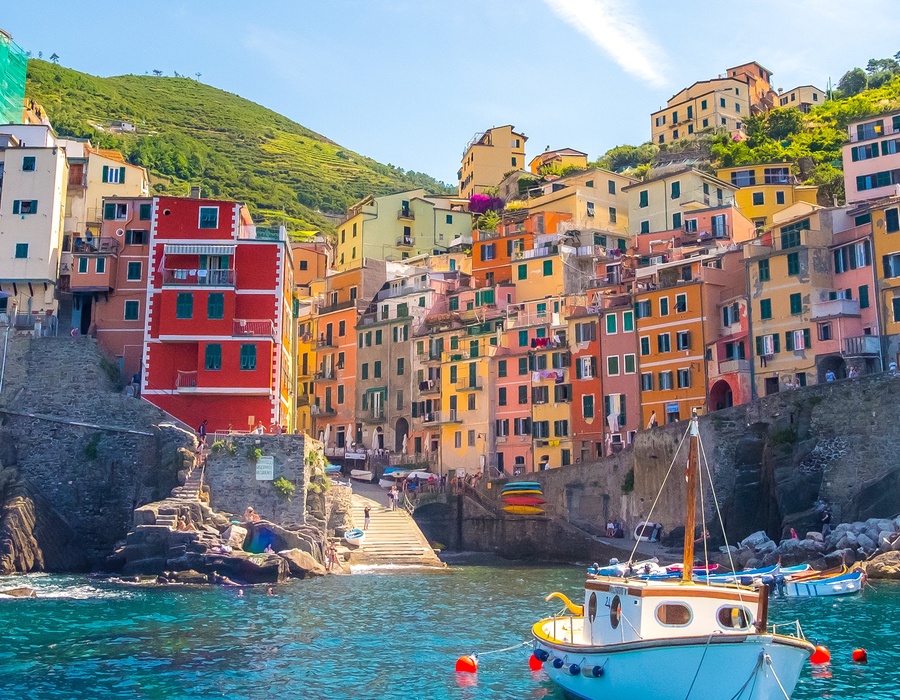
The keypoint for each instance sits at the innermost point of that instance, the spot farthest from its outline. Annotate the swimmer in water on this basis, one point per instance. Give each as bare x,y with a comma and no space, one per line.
270,592
240,593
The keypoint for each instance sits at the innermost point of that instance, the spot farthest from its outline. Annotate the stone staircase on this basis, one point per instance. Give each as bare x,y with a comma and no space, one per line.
392,538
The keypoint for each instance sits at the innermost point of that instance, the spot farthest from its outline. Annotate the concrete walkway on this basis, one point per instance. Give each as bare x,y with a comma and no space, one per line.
393,536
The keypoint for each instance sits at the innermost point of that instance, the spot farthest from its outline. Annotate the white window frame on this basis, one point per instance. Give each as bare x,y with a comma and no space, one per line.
625,363
85,270
112,175
615,322
677,297
121,211
668,307
641,346
618,366
200,218
799,340
646,374
688,375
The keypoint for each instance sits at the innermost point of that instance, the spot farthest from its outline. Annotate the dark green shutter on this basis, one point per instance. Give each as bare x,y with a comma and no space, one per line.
15,206
122,175
109,210
776,342
34,206
807,340
789,340
759,345
105,173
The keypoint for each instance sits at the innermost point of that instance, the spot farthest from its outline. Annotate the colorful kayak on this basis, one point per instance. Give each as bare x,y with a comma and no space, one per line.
829,586
523,510
522,492
523,501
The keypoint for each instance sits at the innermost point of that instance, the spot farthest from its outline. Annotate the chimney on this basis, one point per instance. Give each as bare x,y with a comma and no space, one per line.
195,192
780,90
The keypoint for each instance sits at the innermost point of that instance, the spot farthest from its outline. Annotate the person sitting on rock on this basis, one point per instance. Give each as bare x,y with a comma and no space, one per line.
250,516
182,524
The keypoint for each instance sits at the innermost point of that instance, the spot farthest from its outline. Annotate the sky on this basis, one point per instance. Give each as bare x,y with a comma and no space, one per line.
410,82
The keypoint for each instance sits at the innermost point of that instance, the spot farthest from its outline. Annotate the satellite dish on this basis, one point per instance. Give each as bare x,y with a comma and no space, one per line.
120,231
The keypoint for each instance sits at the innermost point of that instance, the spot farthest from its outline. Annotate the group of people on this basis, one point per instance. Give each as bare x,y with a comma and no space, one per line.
614,529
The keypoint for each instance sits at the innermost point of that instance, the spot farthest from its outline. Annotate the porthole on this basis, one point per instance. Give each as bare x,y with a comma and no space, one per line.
732,617
592,607
674,614
615,612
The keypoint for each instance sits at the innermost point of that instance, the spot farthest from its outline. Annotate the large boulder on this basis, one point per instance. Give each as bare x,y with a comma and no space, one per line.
866,543
302,564
766,547
754,540
264,533
235,536
19,593
885,565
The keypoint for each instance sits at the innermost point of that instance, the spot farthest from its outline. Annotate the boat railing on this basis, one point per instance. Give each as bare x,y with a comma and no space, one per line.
797,632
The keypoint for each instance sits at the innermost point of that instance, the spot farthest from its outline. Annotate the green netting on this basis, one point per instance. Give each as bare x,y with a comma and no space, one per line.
13,63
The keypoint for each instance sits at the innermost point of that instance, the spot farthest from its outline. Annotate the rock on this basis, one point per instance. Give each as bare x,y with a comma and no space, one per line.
866,543
189,576
754,563
872,534
885,565
19,593
754,540
885,540
895,545
766,547
834,560
771,559
235,536
815,536
730,548
857,528
302,564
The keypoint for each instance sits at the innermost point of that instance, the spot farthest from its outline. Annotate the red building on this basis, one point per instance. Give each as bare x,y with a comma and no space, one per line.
217,331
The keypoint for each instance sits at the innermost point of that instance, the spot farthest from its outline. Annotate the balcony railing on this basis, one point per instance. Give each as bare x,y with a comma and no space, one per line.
835,307
406,214
243,326
862,345
186,380
734,366
95,245
438,417
326,342
340,306
405,242
303,400
317,410
326,375
467,385
373,417
431,386
207,278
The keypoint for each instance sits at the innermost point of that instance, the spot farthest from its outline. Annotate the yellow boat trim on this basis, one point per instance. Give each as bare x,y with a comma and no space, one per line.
574,609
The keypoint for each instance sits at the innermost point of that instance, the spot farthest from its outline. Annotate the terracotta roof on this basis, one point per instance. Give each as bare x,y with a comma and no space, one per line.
111,154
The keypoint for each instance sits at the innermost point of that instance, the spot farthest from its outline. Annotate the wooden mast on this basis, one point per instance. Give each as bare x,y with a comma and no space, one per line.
691,517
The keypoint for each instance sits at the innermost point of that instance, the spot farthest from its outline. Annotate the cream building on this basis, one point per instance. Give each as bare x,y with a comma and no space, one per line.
488,157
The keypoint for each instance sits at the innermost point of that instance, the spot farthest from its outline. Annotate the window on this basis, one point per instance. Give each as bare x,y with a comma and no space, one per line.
136,237
734,618
643,309
796,304
663,342
213,357
645,202
764,271
790,235
514,162
523,339
82,262
560,428
340,393
765,308
184,305
22,252
676,190
523,366
590,209
665,381
376,370
705,121
779,197
645,346
365,370
676,220
501,396
684,378
674,614
793,263
548,268
401,366
248,356
702,104
722,102
681,300
611,186
664,306
540,394
683,340
891,265
215,306
825,332
610,324
132,309
612,365
758,199
647,381
471,402
630,363
28,163
895,304
342,328
892,220
24,206
209,217
523,394
541,429
378,337
457,439
144,212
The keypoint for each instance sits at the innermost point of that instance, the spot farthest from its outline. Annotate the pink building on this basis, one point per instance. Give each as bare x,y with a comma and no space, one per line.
619,371
872,158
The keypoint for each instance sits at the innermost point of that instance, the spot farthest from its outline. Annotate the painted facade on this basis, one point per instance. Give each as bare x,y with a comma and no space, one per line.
765,190
871,158
488,157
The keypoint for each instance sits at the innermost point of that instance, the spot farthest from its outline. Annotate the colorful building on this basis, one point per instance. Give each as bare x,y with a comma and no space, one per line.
400,226
560,158
804,97
766,190
218,319
488,157
872,158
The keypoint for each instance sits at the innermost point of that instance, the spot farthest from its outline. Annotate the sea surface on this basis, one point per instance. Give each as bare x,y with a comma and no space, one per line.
379,633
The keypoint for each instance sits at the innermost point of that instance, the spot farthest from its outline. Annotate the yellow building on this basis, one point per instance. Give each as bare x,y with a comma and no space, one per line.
488,157
561,158
400,226
803,98
662,202
719,104
766,190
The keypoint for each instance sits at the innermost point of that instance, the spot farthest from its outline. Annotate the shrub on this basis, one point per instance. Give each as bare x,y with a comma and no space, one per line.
217,446
284,488
253,454
90,450
628,483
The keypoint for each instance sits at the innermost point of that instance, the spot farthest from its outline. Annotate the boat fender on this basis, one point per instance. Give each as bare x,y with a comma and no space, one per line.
574,609
534,663
592,671
574,670
542,655
557,662
820,656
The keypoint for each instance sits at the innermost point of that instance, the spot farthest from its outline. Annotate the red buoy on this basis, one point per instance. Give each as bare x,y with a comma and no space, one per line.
535,664
860,656
820,656
467,664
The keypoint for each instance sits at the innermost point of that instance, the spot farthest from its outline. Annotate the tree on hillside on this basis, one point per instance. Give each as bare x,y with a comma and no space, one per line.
157,73
881,71
756,129
784,122
622,157
853,82
54,58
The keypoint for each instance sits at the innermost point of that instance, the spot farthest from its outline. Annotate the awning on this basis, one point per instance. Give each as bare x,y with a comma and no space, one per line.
173,249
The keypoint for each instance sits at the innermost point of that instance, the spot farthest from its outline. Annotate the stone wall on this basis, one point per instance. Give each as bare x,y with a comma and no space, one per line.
231,476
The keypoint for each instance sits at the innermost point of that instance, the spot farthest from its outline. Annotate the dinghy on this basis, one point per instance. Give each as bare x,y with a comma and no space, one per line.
354,537
844,584
360,475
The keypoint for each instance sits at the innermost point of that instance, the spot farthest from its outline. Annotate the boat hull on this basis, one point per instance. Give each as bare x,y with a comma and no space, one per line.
731,666
847,584
523,510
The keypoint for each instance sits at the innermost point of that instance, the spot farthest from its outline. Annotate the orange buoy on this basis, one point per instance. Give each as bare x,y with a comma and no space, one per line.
467,664
860,656
820,656
535,664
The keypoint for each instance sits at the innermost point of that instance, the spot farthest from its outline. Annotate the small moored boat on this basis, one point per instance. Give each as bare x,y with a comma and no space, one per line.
354,537
360,475
844,584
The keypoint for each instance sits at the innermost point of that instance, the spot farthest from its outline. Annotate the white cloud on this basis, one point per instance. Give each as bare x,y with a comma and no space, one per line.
610,25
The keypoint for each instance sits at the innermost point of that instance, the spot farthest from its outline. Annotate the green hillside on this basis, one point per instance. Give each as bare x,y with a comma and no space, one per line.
190,133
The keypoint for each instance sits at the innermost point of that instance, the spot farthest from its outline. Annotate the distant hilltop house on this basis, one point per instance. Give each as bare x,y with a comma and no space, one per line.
122,126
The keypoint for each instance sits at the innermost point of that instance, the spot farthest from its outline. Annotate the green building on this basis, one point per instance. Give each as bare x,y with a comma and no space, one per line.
13,62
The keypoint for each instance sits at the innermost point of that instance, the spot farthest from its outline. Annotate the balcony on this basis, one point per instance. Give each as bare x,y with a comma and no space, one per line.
466,385
405,242
95,245
544,252
834,308
730,366
374,417
194,278
246,327
441,417
340,306
406,215
186,382
303,400
862,345
325,342
326,375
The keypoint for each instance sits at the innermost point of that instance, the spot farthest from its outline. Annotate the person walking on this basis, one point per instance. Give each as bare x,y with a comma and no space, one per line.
366,518
201,431
829,376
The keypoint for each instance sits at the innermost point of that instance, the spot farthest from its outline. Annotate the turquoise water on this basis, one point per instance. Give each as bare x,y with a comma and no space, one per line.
369,635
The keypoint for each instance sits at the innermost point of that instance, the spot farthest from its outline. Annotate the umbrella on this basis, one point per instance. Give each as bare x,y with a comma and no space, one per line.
327,435
351,438
405,441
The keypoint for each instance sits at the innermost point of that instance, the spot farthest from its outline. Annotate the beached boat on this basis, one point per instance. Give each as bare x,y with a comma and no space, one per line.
523,501
354,537
669,640
523,510
845,584
360,475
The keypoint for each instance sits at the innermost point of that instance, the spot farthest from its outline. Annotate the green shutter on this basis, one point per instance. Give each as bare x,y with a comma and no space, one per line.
854,153
759,345
789,340
807,340
15,206
122,175
34,206
864,297
105,173
109,209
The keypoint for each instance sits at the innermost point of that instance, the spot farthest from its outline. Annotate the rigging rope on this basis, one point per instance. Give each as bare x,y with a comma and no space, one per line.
497,651
777,679
697,672
658,494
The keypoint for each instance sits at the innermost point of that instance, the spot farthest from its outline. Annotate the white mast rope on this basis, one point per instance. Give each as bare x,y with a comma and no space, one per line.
703,529
658,494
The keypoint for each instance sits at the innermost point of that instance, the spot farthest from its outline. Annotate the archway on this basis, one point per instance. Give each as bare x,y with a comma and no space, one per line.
720,396
401,430
835,363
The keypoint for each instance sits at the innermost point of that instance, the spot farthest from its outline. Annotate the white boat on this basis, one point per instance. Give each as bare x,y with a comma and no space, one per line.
670,639
831,585
360,475
355,537
386,483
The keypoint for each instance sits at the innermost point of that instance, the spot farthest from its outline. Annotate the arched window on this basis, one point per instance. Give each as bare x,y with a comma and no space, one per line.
674,614
734,618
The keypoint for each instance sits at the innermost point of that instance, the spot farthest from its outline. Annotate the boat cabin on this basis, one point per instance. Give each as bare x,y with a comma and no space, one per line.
619,610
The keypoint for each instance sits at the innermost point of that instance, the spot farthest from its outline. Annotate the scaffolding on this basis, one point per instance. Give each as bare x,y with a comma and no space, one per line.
13,63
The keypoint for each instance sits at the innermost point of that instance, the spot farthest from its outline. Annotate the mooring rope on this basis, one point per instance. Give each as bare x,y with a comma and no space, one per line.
497,651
